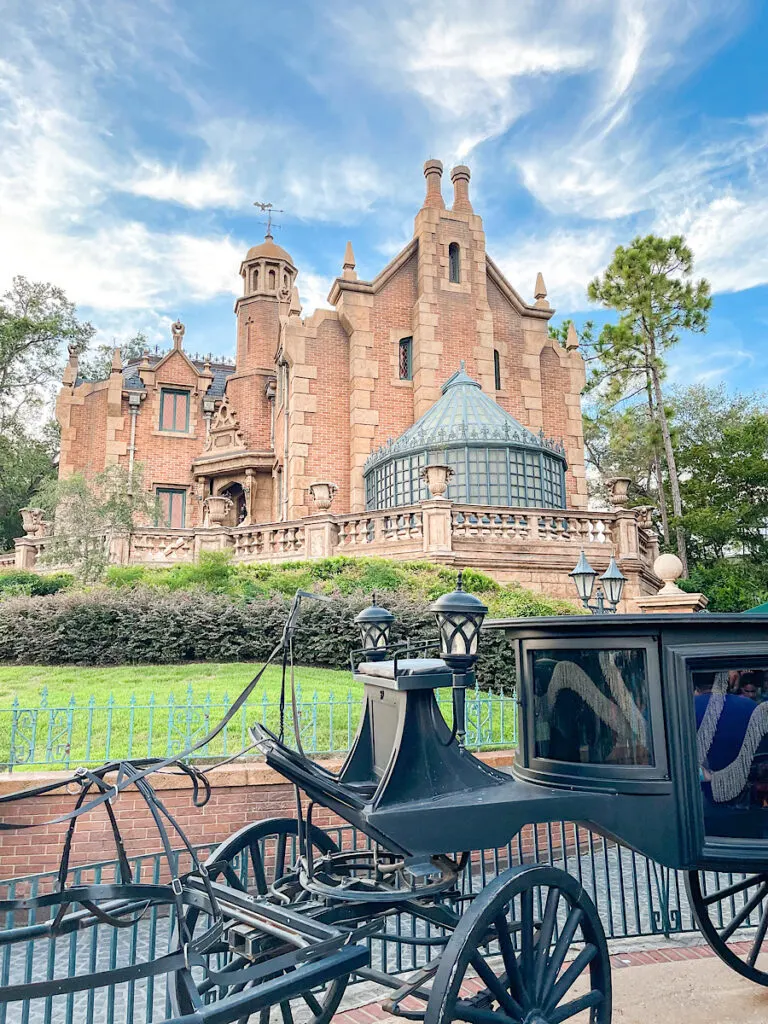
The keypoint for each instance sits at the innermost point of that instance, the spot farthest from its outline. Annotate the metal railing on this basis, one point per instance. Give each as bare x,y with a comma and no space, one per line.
61,735
634,897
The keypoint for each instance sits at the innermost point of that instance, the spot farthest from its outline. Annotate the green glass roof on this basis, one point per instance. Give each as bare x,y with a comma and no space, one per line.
463,414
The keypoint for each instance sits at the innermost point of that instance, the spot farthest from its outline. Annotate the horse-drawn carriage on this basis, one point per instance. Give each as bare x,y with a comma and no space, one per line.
628,724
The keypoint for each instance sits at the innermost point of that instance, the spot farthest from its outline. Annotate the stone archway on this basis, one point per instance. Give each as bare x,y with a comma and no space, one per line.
238,511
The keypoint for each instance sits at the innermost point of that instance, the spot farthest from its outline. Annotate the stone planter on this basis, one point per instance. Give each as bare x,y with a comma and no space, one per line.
618,488
323,493
33,521
438,477
216,509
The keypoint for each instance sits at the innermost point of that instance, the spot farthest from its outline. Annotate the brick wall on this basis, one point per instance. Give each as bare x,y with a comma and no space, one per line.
241,793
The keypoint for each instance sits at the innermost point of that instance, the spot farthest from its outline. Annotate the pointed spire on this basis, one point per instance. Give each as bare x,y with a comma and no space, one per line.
117,362
540,292
73,366
572,341
348,268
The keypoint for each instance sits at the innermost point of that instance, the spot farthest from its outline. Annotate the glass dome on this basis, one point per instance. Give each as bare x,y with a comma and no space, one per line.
496,460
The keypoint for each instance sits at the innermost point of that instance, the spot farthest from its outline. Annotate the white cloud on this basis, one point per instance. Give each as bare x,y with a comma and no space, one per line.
203,188
568,260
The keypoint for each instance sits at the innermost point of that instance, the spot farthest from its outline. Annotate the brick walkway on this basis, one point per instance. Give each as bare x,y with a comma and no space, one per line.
706,1011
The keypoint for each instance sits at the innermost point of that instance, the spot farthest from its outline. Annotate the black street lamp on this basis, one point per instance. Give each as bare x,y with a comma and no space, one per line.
459,618
608,592
374,623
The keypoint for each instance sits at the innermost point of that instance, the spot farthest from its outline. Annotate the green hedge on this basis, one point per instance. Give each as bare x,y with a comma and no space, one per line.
143,625
15,582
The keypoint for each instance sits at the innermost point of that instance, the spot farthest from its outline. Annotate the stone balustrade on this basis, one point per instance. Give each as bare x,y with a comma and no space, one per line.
535,547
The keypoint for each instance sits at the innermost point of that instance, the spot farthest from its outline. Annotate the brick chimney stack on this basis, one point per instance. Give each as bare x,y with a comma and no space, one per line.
433,172
460,179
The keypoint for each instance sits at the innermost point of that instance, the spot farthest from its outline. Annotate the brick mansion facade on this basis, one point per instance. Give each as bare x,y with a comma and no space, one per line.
323,427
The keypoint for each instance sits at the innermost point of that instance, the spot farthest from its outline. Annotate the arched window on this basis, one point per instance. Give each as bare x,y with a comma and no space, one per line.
272,280
496,370
454,267
256,279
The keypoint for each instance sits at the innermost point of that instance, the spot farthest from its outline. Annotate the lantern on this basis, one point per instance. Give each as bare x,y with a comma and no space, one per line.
459,618
584,578
374,623
613,580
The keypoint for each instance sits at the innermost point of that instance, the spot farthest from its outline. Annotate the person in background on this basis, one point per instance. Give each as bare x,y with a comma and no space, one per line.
751,686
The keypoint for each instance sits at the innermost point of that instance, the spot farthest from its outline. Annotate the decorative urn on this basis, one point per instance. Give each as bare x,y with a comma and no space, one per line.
33,521
618,489
438,476
322,494
216,509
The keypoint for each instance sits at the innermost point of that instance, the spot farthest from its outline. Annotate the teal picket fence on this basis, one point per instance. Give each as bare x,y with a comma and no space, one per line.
64,734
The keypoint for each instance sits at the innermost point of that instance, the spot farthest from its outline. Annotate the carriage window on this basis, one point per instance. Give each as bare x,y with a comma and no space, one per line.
591,706
731,708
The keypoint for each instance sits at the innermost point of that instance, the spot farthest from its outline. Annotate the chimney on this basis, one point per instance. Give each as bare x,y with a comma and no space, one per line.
460,179
433,172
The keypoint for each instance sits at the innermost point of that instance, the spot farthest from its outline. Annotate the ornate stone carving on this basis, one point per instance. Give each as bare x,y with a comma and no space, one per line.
437,477
177,333
618,488
225,430
216,509
322,494
33,521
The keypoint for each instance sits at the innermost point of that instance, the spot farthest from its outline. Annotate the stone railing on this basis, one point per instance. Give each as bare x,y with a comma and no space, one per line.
7,559
536,547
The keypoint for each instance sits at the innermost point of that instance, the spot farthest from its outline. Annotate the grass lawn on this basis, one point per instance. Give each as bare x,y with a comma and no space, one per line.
67,716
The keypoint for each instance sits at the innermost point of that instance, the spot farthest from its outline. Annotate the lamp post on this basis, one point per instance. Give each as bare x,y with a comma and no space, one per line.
609,591
459,618
375,623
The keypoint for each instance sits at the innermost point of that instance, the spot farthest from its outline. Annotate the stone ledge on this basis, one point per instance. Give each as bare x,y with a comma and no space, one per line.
232,776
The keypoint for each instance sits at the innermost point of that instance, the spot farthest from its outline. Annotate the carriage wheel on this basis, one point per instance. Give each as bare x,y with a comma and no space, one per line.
250,861
722,911
528,921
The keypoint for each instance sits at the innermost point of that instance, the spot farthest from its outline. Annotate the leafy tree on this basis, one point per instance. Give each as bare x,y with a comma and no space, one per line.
97,364
649,284
88,513
26,464
721,443
36,322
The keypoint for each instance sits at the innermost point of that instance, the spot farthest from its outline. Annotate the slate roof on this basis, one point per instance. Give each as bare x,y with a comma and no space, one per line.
221,371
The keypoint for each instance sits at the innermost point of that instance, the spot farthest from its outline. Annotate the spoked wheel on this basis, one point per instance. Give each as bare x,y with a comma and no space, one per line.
250,861
720,909
547,956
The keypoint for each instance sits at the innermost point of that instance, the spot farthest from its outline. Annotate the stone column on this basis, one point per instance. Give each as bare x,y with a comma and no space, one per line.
436,527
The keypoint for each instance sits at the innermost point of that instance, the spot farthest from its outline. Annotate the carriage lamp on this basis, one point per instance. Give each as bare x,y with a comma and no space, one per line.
375,623
609,591
459,618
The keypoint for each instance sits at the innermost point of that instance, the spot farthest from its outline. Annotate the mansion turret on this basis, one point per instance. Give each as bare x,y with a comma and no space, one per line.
437,359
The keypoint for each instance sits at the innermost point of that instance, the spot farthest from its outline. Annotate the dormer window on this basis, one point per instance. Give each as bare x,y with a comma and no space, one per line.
174,410
405,359
454,264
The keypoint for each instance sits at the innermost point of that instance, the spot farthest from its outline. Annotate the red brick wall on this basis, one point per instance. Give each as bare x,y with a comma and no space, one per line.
393,319
555,384
508,338
328,457
89,420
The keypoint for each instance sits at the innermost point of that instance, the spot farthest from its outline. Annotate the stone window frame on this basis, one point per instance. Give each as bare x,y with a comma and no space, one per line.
171,389
171,489
464,284
497,370
396,335
454,263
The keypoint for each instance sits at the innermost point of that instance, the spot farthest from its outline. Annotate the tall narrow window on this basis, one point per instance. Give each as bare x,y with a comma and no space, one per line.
454,267
405,359
496,370
172,504
174,410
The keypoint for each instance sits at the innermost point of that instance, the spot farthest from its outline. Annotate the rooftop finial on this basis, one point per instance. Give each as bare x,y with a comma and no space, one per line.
540,292
117,362
348,267
177,333
433,172
572,341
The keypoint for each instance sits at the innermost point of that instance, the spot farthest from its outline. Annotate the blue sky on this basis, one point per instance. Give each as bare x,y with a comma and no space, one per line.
134,137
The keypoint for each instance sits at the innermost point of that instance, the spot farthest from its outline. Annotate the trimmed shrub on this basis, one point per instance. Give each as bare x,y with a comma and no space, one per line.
144,625
21,581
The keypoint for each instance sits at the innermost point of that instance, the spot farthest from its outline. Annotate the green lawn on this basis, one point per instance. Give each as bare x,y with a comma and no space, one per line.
62,716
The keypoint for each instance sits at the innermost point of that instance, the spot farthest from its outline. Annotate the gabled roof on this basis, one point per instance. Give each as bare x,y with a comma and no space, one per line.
221,371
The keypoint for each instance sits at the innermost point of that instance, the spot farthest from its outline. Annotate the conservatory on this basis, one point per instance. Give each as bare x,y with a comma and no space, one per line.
495,460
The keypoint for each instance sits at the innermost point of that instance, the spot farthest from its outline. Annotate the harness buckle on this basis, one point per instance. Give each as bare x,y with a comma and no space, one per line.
176,886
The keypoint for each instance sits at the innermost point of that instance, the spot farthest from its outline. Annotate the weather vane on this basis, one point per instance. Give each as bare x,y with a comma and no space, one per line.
269,209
